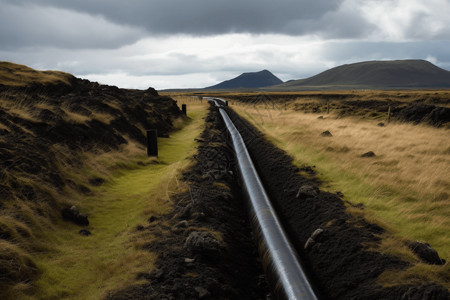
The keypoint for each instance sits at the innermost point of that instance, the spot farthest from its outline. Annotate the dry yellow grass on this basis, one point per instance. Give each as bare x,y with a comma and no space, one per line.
19,75
405,187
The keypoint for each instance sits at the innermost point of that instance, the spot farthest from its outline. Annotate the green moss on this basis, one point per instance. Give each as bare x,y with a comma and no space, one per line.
79,267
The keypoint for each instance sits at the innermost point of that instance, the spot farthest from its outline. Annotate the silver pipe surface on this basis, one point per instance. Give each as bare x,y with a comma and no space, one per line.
280,260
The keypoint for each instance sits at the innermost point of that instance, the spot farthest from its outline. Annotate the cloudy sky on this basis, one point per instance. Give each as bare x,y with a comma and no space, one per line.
198,43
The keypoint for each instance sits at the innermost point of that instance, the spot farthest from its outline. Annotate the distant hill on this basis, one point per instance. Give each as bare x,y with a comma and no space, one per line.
375,74
248,80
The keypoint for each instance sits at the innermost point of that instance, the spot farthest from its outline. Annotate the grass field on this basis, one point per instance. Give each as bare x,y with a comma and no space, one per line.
78,267
405,188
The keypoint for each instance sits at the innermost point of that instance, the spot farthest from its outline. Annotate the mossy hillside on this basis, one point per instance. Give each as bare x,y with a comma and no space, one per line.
79,267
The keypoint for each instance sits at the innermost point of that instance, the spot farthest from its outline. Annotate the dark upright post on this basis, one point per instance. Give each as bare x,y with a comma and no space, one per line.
152,142
183,108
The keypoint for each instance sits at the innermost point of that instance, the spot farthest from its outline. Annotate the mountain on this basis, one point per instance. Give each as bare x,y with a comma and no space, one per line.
375,75
248,80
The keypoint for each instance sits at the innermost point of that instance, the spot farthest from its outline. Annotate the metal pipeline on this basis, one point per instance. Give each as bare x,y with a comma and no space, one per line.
280,261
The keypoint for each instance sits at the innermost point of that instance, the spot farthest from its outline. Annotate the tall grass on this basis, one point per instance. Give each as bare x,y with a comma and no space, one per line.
405,187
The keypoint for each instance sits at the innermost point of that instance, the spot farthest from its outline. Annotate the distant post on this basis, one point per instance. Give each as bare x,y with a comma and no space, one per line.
183,108
388,115
328,108
152,142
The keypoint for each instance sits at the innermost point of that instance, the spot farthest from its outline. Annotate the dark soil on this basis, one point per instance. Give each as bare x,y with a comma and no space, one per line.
194,263
338,259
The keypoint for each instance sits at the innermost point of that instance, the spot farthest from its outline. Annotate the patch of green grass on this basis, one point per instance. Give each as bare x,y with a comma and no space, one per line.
79,267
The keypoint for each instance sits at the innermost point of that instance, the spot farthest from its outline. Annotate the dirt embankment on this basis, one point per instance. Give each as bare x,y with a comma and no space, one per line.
45,129
334,245
205,246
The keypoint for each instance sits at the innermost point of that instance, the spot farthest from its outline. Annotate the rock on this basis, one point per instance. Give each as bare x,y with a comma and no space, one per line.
315,236
426,253
316,233
307,191
326,134
152,219
84,232
73,214
381,124
202,242
202,292
320,118
368,154
181,224
309,243
140,227
189,260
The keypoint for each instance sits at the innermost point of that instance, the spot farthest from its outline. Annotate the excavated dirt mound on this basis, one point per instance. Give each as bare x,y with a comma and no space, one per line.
205,246
332,243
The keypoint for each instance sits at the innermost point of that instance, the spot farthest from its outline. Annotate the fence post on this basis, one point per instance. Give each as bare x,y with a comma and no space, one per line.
183,108
152,142
388,115
328,108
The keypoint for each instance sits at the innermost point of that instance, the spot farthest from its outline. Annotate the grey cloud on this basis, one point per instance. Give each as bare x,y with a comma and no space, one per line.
203,17
31,25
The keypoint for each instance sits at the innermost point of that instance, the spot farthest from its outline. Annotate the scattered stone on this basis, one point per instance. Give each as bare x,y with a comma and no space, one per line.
316,233
140,227
202,292
152,219
426,253
368,154
189,260
309,243
73,214
381,124
326,134
320,118
84,232
313,238
307,191
201,242
182,224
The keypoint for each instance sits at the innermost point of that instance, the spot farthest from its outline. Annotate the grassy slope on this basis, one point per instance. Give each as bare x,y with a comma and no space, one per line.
19,75
80,267
405,188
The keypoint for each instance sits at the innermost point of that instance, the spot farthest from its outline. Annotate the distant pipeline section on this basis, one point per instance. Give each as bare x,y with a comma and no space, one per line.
280,261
